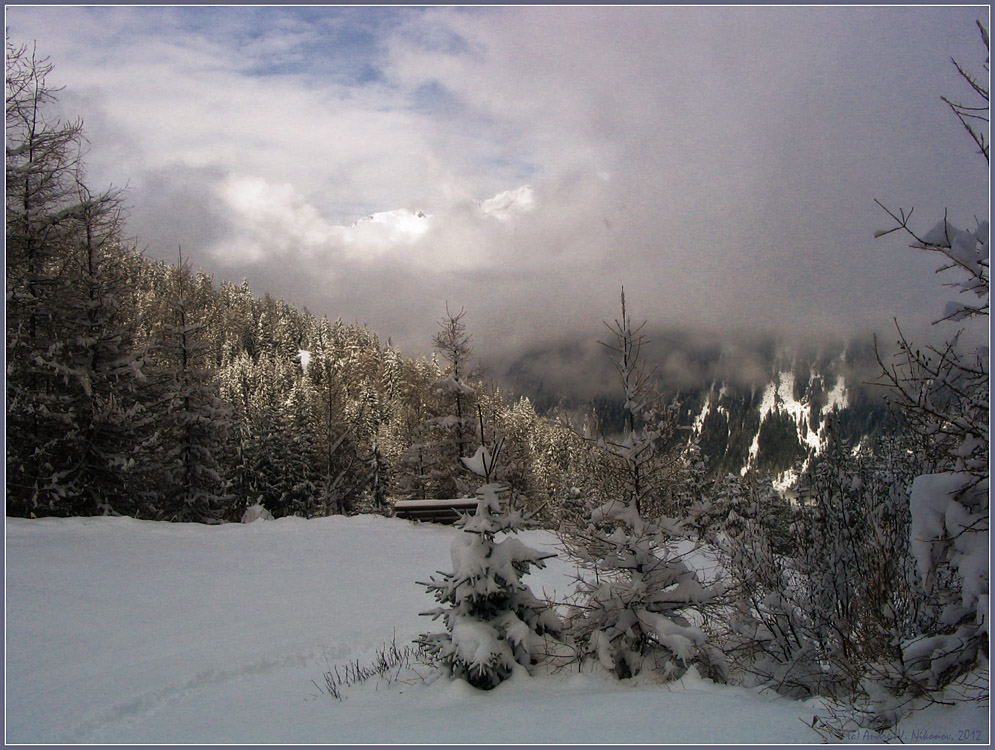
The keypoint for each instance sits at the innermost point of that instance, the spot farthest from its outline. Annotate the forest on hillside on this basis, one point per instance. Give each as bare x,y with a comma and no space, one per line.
142,388
145,388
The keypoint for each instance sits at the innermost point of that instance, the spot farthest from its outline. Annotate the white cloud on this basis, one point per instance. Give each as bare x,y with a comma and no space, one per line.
271,221
275,223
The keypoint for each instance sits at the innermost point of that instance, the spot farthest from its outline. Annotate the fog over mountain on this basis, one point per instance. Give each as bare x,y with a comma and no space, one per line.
684,359
750,403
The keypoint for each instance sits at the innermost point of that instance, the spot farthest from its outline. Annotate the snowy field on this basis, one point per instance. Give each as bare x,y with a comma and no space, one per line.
123,631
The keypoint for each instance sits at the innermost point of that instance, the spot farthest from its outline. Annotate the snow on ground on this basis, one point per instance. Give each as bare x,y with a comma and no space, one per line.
124,631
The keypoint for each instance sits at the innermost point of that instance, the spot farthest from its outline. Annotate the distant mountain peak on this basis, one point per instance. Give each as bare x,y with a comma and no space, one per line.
401,224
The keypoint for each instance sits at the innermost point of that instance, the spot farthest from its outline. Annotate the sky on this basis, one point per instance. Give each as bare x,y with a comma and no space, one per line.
525,163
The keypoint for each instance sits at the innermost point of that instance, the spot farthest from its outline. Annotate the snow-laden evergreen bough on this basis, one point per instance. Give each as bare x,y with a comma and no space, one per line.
634,608
493,620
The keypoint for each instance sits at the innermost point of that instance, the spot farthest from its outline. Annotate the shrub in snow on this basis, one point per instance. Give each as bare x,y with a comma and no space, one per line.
493,620
827,616
950,542
942,395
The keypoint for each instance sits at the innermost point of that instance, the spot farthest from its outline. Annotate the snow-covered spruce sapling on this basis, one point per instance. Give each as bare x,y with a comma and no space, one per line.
493,620
633,610
635,596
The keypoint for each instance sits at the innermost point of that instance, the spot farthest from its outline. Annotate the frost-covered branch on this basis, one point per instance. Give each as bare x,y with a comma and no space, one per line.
961,250
970,114
942,394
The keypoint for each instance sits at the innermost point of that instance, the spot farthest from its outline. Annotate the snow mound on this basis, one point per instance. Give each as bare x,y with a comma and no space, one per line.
256,513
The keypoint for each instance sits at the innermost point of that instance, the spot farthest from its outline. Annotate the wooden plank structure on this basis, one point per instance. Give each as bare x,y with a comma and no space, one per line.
435,511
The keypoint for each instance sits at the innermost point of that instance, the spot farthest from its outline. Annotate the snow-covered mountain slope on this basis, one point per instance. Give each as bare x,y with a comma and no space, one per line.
753,405
508,204
403,226
787,420
400,226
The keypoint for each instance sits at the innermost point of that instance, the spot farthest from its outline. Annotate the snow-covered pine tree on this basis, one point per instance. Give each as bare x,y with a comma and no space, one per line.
560,465
635,595
341,471
192,420
371,416
237,321
279,460
267,448
493,620
75,418
453,343
446,433
109,462
444,419
302,478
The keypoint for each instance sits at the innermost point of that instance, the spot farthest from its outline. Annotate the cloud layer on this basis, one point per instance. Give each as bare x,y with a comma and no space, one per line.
527,162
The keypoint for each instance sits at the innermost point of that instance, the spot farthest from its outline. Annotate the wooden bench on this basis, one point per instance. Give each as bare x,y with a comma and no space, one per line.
435,511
